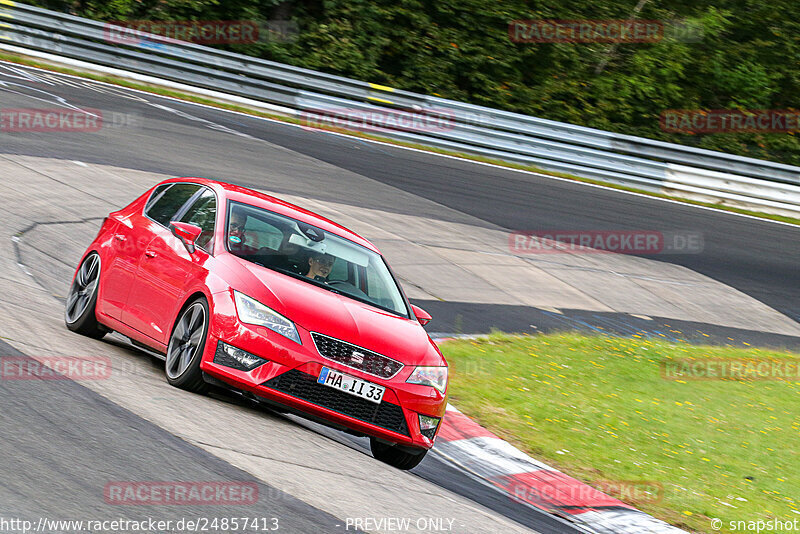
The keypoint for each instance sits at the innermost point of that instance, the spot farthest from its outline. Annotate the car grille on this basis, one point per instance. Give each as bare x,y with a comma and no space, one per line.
355,357
304,386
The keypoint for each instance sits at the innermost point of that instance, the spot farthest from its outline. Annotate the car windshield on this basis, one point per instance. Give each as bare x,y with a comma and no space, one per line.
313,255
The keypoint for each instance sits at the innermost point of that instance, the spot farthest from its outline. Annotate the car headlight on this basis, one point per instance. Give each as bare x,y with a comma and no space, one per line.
430,376
250,311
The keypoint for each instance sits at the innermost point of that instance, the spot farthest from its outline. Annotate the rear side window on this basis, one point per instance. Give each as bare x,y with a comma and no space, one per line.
203,213
165,203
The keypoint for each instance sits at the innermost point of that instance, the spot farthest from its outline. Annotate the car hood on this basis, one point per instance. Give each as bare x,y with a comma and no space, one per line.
318,310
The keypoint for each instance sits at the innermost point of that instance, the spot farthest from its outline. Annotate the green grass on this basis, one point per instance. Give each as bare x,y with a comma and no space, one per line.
604,400
158,90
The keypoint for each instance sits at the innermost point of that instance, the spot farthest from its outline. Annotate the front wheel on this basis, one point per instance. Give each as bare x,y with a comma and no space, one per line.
186,345
79,312
395,456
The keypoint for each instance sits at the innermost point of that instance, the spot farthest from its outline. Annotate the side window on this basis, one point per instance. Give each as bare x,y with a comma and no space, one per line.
158,192
169,201
203,213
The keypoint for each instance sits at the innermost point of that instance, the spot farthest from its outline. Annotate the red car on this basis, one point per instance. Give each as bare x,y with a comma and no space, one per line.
240,289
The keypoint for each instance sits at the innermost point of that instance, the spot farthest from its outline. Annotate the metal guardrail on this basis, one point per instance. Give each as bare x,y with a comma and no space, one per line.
621,159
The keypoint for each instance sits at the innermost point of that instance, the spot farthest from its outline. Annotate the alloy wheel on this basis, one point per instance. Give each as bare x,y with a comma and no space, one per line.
185,340
83,288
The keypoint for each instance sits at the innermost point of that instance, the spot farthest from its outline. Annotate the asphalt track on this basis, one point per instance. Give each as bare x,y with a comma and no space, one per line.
753,256
61,442
750,255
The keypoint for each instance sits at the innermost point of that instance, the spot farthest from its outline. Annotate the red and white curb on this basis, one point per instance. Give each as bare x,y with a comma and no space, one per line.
467,444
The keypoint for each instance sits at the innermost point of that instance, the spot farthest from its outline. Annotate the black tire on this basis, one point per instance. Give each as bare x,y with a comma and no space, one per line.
79,310
186,345
395,456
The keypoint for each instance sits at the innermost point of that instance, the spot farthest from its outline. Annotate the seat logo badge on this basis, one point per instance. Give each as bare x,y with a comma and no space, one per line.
357,357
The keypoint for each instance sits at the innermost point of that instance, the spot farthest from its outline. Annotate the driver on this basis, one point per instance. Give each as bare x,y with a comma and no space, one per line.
320,266
238,240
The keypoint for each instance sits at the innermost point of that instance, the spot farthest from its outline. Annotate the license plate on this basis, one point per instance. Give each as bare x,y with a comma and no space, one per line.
352,385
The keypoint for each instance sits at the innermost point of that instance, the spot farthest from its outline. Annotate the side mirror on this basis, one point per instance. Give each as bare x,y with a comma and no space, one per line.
187,233
422,316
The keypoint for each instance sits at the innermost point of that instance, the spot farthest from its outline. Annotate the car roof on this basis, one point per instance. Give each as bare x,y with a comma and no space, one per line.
261,200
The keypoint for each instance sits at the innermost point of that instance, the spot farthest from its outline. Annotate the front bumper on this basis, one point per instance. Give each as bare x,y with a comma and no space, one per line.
289,377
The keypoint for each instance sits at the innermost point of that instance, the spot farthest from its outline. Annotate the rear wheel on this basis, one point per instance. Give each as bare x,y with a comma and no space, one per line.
395,456
79,312
186,345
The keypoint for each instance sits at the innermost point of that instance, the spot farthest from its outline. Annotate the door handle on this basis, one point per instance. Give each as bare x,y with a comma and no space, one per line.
150,254
119,237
